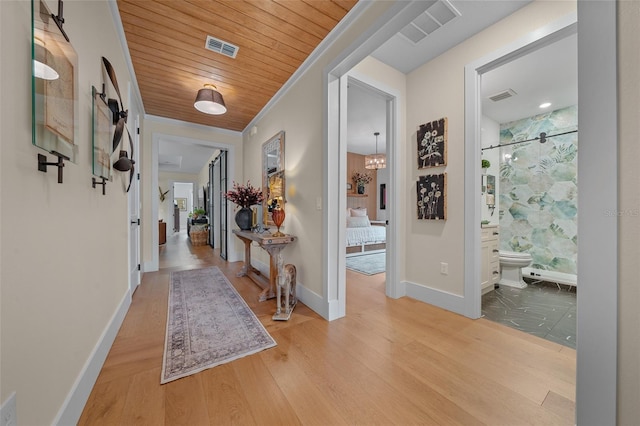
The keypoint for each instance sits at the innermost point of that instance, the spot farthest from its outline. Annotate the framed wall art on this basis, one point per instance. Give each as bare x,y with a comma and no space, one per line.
432,144
54,86
432,197
101,135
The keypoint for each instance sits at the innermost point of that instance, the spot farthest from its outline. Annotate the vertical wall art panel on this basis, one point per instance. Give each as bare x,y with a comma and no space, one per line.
432,144
432,196
54,82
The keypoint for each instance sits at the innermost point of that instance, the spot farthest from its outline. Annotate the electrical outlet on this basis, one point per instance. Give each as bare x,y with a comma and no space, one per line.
444,268
8,412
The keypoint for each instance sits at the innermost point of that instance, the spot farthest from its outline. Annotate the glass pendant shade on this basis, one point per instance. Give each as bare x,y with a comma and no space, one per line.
375,161
210,101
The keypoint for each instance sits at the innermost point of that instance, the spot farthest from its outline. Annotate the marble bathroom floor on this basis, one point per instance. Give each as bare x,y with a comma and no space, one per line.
540,309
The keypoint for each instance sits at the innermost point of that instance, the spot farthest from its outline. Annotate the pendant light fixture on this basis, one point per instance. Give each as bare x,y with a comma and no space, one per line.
375,161
210,101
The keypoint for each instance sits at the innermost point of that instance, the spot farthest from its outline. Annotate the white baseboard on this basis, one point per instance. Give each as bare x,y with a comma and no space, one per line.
313,300
442,299
71,409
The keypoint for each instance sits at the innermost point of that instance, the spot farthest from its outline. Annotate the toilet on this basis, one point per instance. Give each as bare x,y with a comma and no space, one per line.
511,264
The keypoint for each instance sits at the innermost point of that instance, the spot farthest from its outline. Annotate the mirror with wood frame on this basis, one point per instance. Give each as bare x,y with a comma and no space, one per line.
273,179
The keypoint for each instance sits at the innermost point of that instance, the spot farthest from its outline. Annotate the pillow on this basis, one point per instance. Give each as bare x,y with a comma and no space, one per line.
358,222
359,212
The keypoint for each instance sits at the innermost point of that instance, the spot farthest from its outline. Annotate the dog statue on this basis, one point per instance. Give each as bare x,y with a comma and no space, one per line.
287,285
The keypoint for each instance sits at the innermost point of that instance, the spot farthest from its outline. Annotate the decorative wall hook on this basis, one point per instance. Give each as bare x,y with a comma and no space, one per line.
95,182
42,163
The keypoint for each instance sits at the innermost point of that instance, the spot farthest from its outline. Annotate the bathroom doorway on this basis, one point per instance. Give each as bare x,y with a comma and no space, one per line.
528,202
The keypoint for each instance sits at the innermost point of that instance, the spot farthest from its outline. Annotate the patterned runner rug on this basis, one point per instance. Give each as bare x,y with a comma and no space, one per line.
368,264
208,324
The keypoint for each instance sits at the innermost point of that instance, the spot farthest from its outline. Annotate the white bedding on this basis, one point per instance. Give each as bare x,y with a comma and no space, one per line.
366,235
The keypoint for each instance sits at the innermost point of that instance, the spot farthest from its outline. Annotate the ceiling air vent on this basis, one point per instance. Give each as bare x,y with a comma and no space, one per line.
222,47
436,16
501,96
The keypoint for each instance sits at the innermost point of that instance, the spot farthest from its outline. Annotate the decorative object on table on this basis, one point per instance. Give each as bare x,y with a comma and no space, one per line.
220,327
361,179
54,97
368,263
286,287
243,218
273,178
432,144
375,161
349,186
244,196
278,218
432,196
163,194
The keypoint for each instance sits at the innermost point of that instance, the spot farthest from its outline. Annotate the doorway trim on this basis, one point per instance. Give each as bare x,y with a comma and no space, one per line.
596,368
335,78
154,264
473,109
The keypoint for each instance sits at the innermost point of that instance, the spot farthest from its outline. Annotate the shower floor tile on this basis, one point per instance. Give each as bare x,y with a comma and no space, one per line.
541,309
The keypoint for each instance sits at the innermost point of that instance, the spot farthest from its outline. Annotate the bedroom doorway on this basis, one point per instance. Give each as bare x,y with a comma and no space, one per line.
366,222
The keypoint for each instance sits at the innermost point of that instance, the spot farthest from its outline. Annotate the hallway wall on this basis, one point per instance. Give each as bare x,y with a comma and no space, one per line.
63,251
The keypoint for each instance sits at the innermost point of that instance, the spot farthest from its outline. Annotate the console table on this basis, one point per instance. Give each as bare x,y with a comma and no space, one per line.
273,246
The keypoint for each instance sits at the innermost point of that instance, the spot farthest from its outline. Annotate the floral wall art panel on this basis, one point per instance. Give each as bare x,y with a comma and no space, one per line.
432,197
432,144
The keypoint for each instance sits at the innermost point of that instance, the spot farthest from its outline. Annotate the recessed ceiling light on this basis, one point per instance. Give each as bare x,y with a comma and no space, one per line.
545,105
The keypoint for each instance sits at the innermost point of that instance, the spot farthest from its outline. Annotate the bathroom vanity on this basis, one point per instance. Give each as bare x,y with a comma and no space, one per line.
489,257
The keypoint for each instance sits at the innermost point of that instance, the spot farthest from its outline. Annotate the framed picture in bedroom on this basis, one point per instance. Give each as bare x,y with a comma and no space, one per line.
432,197
432,144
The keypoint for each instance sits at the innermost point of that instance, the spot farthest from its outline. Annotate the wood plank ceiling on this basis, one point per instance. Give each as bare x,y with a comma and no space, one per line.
166,40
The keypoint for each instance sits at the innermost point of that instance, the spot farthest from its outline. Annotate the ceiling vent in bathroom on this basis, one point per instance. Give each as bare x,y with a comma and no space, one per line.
501,96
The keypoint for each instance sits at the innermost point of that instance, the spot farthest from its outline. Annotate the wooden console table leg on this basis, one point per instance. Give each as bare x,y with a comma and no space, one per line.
247,258
270,292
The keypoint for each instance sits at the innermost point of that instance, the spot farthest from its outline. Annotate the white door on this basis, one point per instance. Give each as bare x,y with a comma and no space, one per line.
134,214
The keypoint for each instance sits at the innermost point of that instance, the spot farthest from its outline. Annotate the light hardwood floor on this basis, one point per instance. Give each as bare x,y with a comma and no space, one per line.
387,362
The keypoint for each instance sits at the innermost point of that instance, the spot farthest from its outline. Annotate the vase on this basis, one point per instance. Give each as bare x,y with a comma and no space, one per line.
278,217
244,217
360,188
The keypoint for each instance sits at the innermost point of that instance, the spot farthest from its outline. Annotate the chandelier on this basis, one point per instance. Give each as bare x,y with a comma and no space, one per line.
375,161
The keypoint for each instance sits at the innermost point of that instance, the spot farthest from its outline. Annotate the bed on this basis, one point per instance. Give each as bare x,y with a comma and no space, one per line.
361,235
